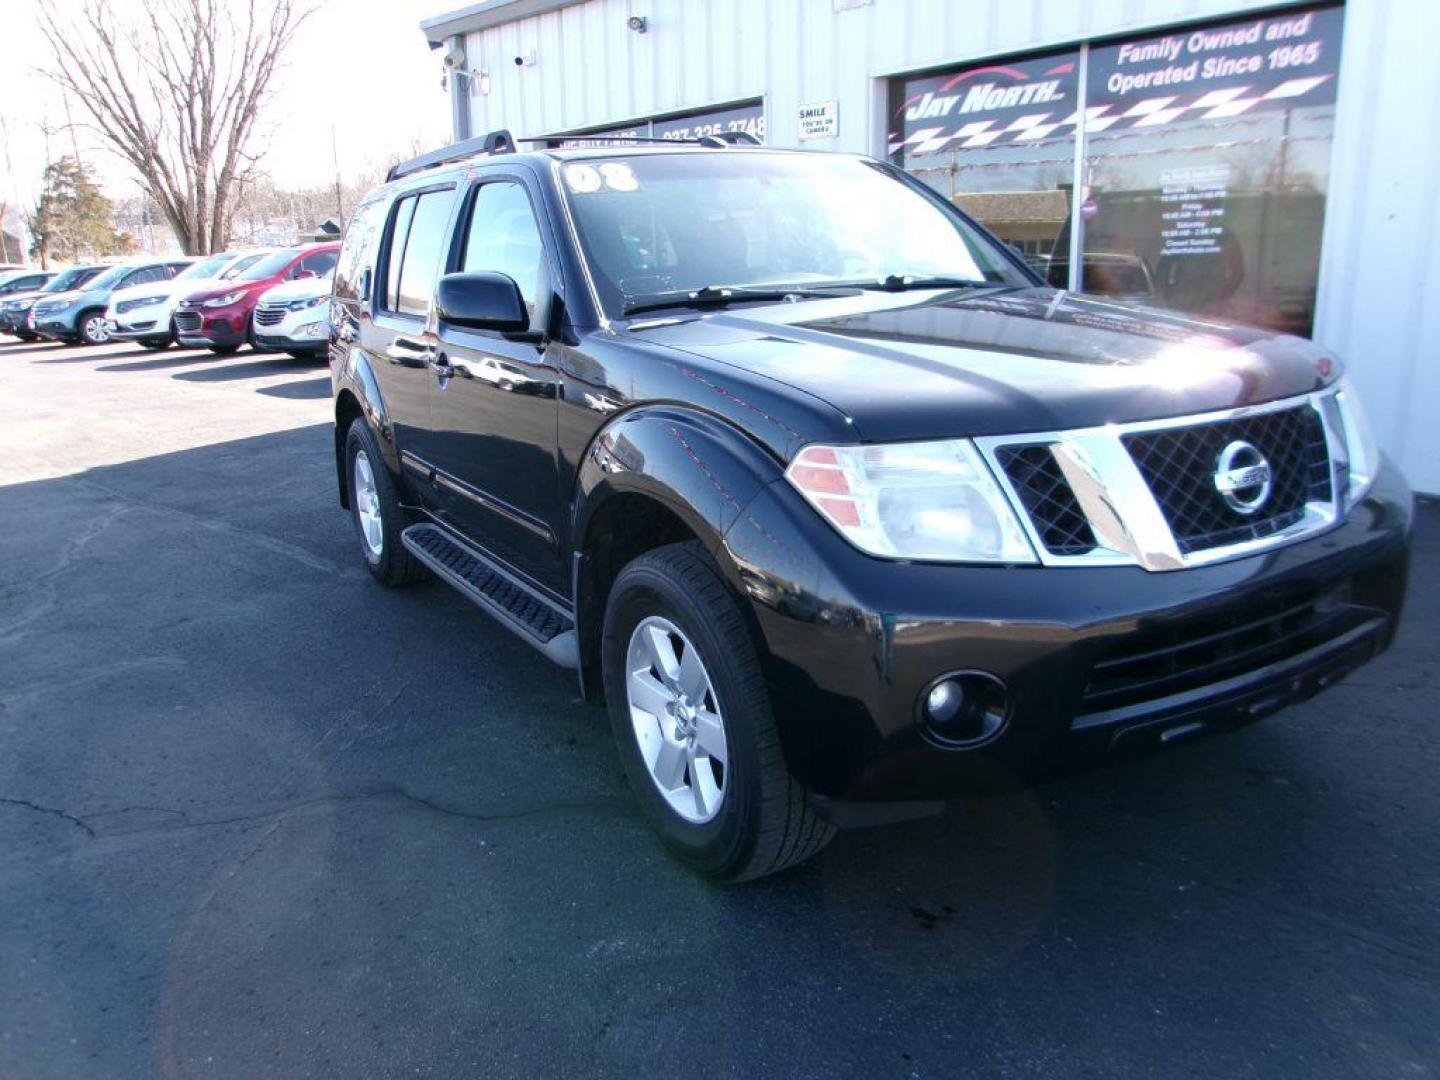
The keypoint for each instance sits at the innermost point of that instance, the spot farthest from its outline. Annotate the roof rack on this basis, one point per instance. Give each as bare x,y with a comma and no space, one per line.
497,142
718,140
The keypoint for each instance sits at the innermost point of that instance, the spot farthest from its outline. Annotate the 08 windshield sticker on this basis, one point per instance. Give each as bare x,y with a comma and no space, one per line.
585,179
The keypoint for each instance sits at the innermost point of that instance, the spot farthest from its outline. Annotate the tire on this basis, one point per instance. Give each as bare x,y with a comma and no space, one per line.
224,350
764,822
90,327
26,336
387,558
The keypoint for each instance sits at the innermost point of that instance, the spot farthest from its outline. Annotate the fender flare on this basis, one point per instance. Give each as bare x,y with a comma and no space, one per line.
357,378
702,469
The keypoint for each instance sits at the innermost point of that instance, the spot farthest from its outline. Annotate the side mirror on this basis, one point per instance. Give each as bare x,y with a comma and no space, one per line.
485,301
304,275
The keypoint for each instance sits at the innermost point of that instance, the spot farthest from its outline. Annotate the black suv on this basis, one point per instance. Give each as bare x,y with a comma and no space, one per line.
834,502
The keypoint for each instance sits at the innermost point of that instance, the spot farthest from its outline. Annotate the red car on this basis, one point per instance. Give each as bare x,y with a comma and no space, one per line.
218,317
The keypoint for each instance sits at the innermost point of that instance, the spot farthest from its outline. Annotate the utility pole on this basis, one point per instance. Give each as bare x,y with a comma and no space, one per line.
24,255
335,157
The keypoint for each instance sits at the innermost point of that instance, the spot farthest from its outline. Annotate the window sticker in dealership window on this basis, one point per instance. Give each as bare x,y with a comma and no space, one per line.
1214,73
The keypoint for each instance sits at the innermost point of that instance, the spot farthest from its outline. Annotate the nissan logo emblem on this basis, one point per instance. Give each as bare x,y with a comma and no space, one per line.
1243,478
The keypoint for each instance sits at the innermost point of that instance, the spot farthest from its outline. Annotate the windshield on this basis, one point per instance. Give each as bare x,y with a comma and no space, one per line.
653,225
71,279
109,277
205,268
267,266
240,265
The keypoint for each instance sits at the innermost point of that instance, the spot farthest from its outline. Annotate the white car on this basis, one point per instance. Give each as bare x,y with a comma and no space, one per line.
294,317
143,313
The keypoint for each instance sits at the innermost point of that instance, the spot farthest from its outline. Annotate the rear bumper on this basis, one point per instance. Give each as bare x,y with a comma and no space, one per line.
1096,661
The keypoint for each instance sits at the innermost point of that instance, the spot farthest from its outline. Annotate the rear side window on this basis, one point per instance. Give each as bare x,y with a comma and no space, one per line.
357,253
428,237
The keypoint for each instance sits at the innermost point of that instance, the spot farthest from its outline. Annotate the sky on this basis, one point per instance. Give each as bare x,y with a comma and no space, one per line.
360,65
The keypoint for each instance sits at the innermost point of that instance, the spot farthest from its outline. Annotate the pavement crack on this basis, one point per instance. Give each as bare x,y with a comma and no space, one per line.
393,792
217,524
26,804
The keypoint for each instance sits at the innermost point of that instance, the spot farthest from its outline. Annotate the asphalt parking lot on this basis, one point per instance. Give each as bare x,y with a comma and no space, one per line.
260,817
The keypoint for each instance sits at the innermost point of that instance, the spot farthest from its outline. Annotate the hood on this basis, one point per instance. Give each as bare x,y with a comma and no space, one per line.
152,288
29,296
305,289
205,290
1002,361
61,299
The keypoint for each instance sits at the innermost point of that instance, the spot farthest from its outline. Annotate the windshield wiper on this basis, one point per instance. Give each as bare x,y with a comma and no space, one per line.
902,282
717,296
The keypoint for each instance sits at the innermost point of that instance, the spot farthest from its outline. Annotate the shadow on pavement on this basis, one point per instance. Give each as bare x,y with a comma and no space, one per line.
160,360
253,369
301,389
260,811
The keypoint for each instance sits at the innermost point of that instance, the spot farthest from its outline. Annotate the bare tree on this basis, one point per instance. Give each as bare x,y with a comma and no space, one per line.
177,93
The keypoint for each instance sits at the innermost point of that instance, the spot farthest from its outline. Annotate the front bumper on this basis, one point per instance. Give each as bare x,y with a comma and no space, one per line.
1097,661
57,327
144,326
13,322
288,332
220,330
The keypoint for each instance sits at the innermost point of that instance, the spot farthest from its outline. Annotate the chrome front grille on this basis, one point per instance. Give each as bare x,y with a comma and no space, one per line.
267,316
1048,498
1179,466
1150,493
187,321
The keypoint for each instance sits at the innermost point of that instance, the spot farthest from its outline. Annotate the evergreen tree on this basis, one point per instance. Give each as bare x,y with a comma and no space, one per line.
72,217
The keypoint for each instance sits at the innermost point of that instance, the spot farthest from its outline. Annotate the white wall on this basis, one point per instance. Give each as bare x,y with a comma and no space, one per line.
1382,220
1380,257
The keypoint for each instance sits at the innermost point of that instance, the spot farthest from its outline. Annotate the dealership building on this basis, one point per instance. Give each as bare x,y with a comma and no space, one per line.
1271,164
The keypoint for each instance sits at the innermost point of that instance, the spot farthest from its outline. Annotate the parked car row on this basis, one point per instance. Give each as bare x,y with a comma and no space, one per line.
273,299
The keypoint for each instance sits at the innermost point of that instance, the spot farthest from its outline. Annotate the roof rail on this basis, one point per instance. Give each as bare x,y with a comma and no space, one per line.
497,142
717,141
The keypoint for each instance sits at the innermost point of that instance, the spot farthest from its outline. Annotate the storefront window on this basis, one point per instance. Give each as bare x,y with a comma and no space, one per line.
998,140
1205,160
1207,163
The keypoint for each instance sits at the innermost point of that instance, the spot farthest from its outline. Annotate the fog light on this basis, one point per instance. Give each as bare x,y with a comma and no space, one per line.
964,709
944,701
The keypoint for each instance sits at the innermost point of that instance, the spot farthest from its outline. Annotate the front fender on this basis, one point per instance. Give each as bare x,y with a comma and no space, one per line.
701,468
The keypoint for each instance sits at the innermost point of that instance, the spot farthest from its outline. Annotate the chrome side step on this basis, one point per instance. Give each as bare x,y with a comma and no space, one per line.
532,617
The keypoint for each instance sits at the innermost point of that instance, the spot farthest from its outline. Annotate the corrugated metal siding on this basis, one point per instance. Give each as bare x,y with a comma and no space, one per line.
1382,238
1381,252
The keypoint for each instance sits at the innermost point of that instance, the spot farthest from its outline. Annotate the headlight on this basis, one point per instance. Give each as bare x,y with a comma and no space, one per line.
223,301
301,305
930,500
1361,450
144,301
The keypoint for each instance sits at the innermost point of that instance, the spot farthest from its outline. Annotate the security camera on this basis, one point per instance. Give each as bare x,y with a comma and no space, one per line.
455,58
638,23
526,59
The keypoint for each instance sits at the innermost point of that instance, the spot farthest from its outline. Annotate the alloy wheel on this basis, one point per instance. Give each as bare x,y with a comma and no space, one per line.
676,718
367,506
